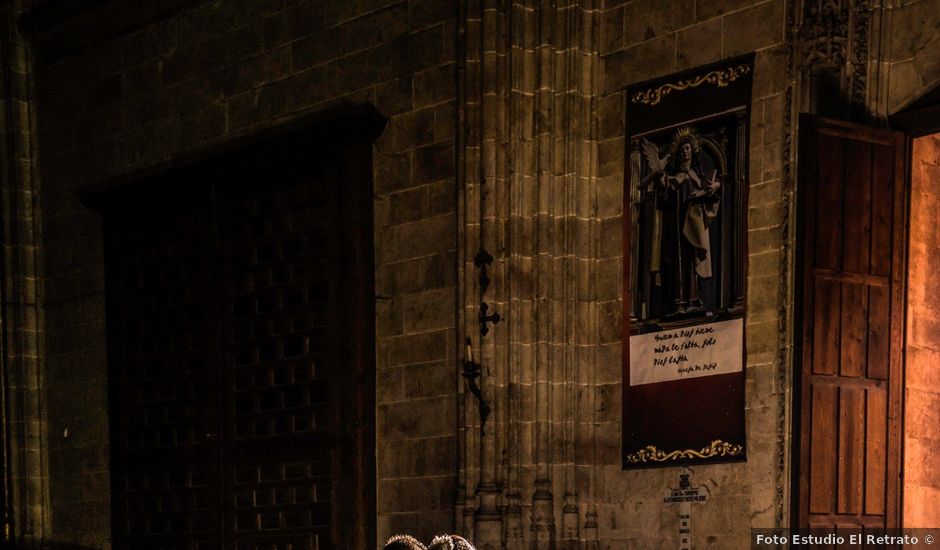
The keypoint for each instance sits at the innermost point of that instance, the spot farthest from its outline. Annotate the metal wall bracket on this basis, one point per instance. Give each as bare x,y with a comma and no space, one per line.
481,261
471,371
484,318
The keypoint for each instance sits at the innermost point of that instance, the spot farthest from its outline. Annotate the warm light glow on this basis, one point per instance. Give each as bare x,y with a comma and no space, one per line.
922,386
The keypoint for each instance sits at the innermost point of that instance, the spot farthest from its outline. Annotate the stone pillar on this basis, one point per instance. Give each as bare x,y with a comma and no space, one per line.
545,269
25,492
484,112
530,197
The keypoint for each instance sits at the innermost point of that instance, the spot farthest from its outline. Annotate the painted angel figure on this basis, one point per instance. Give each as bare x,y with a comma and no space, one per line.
686,205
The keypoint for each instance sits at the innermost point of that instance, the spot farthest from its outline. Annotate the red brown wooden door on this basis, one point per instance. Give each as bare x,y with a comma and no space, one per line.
850,298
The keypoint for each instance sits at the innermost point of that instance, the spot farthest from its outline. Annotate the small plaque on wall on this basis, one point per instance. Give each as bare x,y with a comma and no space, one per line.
685,226
686,353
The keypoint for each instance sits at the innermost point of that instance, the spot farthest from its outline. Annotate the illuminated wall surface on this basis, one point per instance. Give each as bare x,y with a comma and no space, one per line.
922,398
505,131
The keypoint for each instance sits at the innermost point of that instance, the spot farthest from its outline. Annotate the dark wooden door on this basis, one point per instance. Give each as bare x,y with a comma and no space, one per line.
162,373
298,356
242,353
850,303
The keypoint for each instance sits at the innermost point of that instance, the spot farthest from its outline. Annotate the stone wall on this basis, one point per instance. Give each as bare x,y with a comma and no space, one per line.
506,133
25,476
543,192
643,40
922,390
910,51
119,95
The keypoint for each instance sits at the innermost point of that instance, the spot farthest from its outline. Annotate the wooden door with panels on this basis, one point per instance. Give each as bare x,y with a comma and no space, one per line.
241,350
162,370
850,309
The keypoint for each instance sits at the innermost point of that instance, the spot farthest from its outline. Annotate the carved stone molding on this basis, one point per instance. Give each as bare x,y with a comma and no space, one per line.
825,34
784,357
861,34
833,38
529,78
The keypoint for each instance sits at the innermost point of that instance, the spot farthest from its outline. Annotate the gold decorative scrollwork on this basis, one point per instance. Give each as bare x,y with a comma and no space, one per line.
720,78
717,448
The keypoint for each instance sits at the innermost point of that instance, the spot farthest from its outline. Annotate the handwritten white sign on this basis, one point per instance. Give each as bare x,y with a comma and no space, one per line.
703,350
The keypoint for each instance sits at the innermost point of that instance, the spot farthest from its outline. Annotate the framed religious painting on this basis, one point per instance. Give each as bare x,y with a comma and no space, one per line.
685,237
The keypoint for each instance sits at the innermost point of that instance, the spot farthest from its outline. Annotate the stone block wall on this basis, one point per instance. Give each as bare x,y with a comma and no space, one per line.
641,40
25,476
922,390
910,49
118,97
527,161
543,189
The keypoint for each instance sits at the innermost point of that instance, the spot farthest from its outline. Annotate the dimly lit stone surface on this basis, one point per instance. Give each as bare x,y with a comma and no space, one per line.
922,392
207,74
482,100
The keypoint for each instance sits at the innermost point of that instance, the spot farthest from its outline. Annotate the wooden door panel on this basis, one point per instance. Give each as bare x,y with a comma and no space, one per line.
854,330
161,366
883,219
827,335
282,268
850,292
875,451
879,321
857,206
851,454
282,502
823,477
829,203
240,300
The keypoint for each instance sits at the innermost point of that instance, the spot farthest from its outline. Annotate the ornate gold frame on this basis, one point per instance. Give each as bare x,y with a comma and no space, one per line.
717,448
720,78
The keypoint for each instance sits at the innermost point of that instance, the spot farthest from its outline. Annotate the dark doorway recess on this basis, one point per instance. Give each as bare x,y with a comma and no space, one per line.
240,304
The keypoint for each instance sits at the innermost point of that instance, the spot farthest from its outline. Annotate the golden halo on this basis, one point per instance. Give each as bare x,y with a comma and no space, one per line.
683,134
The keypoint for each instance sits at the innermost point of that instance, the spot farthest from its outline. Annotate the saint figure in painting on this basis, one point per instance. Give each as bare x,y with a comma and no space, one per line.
687,202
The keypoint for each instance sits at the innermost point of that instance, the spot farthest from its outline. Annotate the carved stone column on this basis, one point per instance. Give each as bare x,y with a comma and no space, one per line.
25,494
468,189
529,193
543,513
483,285
834,44
522,253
